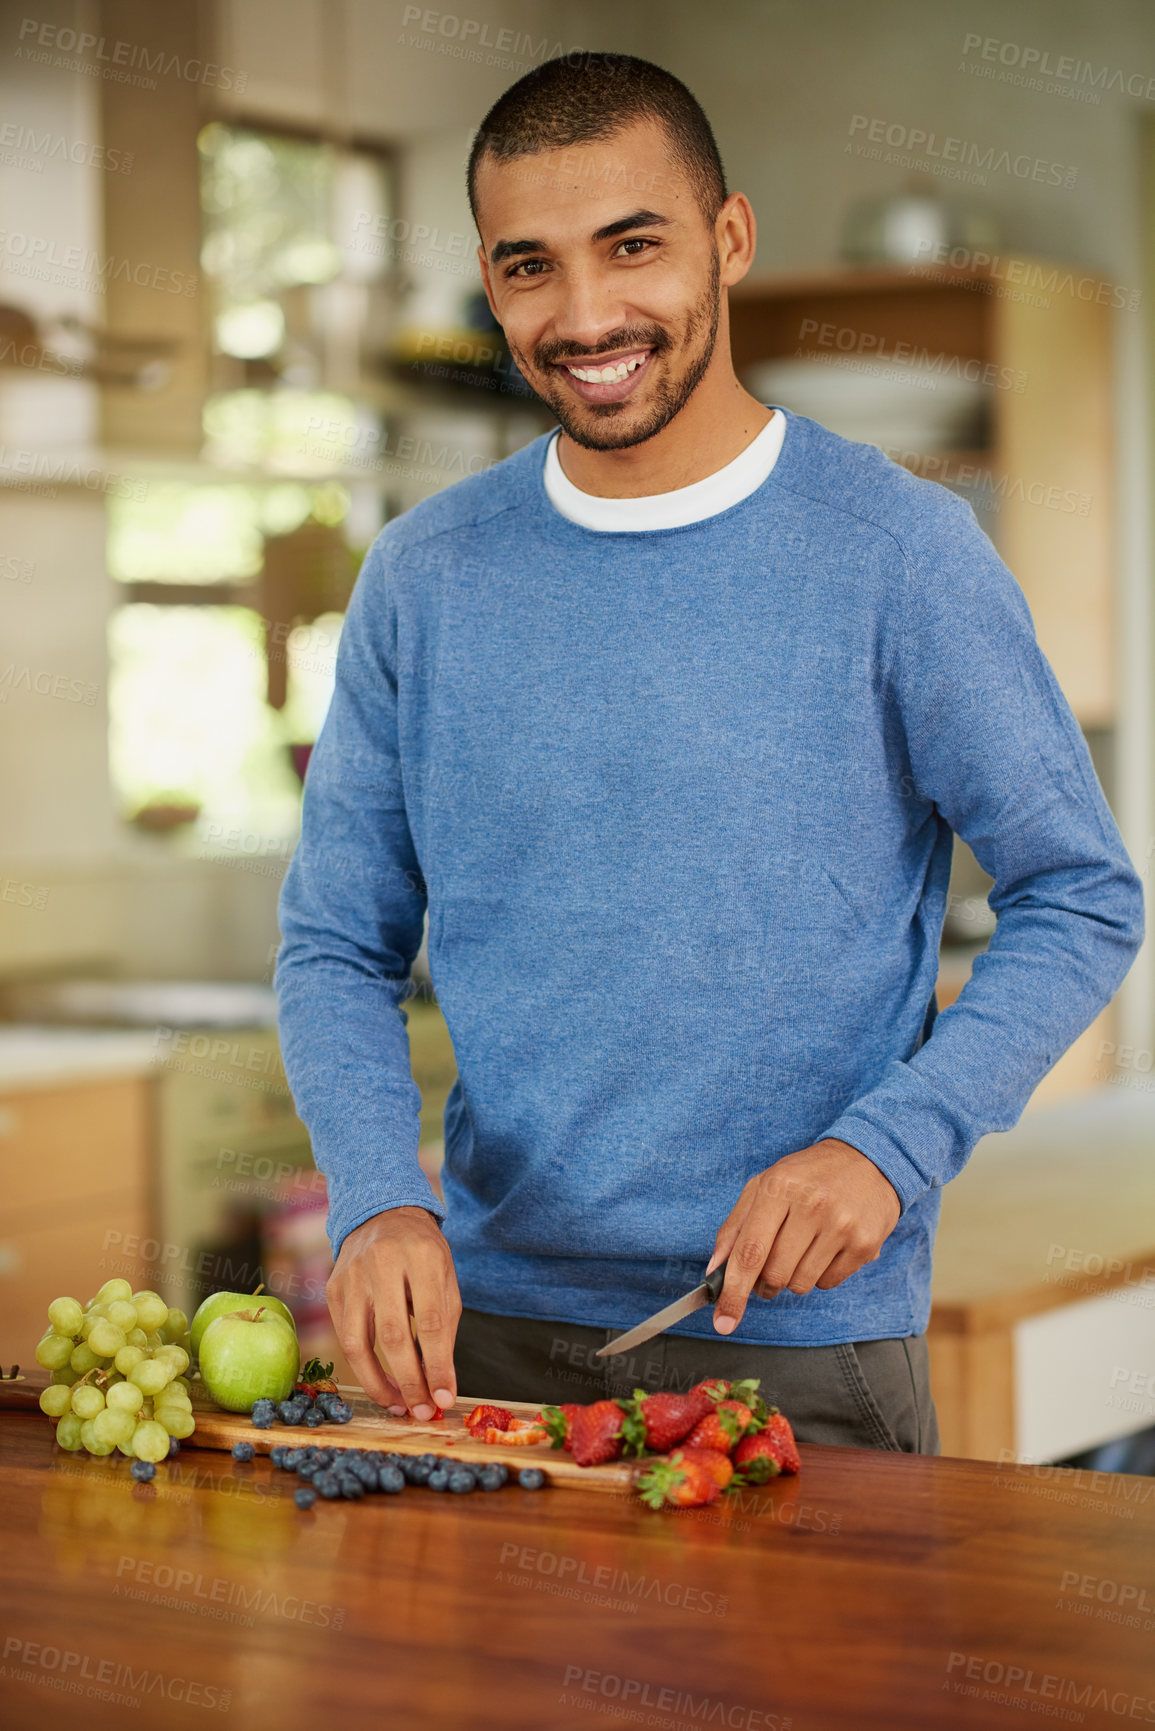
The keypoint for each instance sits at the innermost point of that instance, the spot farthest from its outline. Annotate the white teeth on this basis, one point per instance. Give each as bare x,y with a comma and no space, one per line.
606,375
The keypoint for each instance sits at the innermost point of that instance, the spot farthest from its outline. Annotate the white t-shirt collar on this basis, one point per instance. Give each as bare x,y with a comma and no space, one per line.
692,504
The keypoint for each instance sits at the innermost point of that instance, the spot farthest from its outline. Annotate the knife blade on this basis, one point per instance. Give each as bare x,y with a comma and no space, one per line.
707,1293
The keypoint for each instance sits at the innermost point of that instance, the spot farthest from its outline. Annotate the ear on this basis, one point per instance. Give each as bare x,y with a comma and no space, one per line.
736,232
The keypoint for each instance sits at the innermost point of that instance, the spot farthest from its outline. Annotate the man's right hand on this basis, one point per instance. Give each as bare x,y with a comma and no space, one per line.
390,1267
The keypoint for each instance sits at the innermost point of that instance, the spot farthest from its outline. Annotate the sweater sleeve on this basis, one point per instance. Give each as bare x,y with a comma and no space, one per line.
993,744
352,910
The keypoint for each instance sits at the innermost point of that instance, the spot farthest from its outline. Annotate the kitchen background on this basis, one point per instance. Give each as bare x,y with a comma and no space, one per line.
241,329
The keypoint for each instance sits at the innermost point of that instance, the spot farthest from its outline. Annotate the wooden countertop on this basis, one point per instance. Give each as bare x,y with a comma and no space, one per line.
1058,1209
870,1592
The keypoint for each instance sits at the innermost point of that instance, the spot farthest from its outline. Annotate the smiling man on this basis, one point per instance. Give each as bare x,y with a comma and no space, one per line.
668,721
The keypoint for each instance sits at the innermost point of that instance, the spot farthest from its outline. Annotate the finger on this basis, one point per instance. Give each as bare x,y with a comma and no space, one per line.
846,1263
436,1310
813,1264
394,1339
795,1237
747,1260
353,1324
729,1230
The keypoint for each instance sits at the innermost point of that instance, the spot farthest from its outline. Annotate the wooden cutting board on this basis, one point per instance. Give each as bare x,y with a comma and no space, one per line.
371,1427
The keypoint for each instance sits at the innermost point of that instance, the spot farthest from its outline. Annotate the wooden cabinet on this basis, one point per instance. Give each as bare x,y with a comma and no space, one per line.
79,1202
1041,479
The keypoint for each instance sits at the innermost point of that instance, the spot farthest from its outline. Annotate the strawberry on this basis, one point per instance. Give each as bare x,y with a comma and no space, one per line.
718,1465
722,1428
489,1417
519,1436
558,1421
766,1453
658,1421
714,1388
681,1479
597,1433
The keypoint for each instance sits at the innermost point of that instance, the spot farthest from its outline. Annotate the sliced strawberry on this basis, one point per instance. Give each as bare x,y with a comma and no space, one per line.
766,1453
489,1417
558,1421
680,1479
519,1436
597,1433
658,1421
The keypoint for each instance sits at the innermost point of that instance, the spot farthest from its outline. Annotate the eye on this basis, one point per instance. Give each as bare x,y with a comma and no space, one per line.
636,240
528,266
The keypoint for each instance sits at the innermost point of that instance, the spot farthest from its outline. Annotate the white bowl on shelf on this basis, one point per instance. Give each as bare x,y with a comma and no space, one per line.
876,400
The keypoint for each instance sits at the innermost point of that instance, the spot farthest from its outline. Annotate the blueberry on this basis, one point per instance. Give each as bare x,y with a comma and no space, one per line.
264,1406
328,1484
243,1451
341,1413
325,1400
308,1469
277,1456
392,1479
292,1412
498,1467
438,1480
366,1472
531,1478
351,1487
418,1473
263,1420
142,1471
490,1479
313,1418
173,1447
462,1483
305,1497
428,1460
291,1459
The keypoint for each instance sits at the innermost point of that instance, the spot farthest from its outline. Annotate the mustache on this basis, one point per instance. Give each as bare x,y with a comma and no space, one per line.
628,337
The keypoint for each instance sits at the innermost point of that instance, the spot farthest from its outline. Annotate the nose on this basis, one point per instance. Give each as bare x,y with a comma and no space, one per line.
590,310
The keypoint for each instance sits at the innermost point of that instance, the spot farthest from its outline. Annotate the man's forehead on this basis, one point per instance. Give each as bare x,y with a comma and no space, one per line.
581,187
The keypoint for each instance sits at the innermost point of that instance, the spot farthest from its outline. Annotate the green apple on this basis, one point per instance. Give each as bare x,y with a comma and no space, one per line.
249,1355
221,1303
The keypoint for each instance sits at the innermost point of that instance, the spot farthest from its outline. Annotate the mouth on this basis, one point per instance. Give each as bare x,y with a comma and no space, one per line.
606,378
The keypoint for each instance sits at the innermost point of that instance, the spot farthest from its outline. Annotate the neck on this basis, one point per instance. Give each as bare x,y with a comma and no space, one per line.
715,426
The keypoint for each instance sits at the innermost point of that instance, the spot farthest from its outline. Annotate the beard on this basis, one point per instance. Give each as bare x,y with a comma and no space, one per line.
592,425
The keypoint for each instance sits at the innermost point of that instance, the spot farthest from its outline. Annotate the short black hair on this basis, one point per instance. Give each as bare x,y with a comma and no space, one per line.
581,97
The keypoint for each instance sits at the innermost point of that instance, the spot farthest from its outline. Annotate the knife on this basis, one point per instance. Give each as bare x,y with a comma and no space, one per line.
708,1293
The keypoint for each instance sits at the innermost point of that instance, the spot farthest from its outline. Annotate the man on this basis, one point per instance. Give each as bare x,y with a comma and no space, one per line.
668,720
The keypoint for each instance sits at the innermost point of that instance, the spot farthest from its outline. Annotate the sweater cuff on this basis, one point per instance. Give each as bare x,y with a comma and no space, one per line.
885,1152
343,1221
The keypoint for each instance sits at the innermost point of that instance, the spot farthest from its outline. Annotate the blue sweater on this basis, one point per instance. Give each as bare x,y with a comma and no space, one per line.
680,803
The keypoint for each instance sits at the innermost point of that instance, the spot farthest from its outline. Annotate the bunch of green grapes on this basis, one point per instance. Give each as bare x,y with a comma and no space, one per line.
118,1365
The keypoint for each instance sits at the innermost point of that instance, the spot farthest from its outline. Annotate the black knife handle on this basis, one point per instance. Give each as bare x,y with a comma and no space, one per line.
713,1282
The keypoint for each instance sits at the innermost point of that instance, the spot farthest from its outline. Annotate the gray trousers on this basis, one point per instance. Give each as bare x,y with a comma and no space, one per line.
874,1394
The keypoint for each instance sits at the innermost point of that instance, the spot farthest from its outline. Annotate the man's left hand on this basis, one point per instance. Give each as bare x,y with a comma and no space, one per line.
811,1219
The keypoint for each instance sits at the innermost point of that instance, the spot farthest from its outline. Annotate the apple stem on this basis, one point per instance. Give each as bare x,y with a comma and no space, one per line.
257,1290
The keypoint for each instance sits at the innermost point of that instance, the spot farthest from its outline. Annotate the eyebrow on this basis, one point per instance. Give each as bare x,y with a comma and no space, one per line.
637,219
